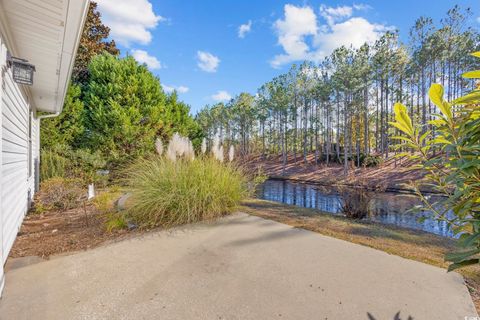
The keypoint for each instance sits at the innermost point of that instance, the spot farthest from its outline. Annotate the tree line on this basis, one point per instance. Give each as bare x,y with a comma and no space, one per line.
338,109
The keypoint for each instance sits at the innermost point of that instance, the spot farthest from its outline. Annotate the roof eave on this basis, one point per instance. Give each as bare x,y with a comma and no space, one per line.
68,59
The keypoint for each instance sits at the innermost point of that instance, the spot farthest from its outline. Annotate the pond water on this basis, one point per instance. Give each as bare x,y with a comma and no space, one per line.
385,207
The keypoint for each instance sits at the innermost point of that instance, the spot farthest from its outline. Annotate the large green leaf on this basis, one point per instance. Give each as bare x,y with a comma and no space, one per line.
472,74
441,140
401,138
462,264
404,123
436,95
476,54
473,97
460,255
400,126
467,240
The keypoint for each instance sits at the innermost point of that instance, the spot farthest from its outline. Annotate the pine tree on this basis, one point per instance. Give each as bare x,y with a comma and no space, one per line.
93,42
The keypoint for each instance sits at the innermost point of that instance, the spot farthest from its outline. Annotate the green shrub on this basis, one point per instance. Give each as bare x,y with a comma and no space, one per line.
372,161
126,110
449,154
172,193
356,202
60,193
86,163
67,128
52,165
62,161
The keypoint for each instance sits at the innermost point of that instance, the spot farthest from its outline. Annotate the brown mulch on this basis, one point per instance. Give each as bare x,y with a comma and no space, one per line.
57,232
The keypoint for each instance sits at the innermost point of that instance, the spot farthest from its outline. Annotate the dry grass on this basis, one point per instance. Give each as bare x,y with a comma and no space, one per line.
414,245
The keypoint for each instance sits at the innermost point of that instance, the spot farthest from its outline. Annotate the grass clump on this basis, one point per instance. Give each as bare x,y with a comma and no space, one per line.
168,193
356,202
115,221
106,204
105,200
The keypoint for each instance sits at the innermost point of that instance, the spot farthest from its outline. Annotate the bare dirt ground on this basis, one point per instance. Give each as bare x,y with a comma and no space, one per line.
392,173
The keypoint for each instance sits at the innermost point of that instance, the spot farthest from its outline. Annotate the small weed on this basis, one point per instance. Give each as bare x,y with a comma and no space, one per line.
104,202
115,188
116,221
39,208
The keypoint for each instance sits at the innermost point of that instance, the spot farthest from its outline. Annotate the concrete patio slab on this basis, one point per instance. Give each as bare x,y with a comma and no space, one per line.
242,267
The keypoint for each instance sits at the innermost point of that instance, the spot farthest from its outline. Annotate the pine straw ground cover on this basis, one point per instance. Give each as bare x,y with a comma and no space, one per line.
411,244
58,231
392,173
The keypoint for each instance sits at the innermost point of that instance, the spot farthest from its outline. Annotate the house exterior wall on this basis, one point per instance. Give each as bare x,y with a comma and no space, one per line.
19,147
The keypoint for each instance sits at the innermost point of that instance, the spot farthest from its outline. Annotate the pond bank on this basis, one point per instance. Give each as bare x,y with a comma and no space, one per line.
392,175
411,244
393,189
391,208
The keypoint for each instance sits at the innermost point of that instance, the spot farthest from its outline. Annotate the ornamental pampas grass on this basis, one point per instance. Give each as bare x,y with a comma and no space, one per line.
159,146
217,149
204,146
180,147
231,153
166,193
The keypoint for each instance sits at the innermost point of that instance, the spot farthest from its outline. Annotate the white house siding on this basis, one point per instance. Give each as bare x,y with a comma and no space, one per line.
35,162
16,166
47,34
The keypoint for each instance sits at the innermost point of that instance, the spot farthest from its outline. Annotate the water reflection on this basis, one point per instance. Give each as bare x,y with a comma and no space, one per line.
386,207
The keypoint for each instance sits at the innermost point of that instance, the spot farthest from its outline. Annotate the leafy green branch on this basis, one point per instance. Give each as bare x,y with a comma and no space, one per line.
454,170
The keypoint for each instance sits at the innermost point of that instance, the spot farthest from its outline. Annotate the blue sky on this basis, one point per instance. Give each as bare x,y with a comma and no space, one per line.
212,50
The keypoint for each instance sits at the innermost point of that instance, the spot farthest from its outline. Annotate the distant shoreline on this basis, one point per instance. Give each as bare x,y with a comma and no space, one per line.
387,177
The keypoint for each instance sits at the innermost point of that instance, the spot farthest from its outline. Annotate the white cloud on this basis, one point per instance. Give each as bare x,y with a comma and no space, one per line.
299,22
244,29
207,61
331,14
183,89
352,32
302,38
129,20
478,19
142,56
167,88
221,96
361,6
179,89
